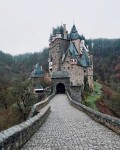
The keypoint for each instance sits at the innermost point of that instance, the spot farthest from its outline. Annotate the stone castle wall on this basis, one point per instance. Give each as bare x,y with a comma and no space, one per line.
75,93
65,81
56,50
76,72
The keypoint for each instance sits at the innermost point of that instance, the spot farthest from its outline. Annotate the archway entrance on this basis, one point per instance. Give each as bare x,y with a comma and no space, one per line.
60,88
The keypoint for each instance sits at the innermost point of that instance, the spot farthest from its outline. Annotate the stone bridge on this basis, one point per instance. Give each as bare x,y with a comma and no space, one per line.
67,128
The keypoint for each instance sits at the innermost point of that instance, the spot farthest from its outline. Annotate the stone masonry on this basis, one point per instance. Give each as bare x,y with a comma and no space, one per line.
70,129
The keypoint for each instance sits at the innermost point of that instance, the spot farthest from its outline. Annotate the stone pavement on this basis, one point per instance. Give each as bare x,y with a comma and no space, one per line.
70,129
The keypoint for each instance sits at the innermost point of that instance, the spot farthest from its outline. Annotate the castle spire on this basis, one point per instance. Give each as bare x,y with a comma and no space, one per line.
74,33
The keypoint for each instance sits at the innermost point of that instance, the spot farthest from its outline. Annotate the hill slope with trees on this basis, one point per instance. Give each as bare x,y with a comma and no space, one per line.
107,71
106,54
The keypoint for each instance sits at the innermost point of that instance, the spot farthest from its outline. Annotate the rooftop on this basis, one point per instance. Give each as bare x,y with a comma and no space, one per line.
60,74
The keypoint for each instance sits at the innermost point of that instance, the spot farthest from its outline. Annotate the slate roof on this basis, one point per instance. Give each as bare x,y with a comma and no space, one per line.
74,33
60,74
73,51
50,38
82,60
58,30
37,71
38,86
54,32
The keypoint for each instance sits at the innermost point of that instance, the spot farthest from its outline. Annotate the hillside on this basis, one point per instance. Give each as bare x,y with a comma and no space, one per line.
106,70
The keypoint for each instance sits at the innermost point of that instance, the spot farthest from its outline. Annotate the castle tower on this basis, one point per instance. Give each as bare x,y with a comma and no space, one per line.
57,47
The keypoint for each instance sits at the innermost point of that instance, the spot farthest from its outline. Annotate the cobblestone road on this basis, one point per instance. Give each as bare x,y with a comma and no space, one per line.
70,129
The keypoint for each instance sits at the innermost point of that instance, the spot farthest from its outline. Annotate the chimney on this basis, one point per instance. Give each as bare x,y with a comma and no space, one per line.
64,31
64,26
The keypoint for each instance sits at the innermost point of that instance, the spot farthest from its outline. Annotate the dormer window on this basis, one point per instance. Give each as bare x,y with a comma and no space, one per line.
74,61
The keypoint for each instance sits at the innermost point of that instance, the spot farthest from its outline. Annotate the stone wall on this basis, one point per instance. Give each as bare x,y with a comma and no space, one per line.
38,106
56,50
15,137
75,93
107,120
76,72
65,81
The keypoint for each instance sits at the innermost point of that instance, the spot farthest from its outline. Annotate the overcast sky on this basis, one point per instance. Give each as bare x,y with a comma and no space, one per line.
25,25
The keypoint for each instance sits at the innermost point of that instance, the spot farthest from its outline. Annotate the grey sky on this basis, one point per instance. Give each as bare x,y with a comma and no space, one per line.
25,25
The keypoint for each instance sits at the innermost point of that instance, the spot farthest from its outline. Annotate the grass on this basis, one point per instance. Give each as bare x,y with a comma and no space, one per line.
91,99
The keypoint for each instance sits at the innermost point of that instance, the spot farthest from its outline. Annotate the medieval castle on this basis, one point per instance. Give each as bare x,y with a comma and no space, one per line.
69,52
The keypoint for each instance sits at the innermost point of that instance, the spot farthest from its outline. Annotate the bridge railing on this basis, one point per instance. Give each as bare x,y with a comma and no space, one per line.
38,106
15,137
107,120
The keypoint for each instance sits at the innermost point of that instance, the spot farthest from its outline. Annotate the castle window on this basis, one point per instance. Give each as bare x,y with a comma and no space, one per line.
84,71
68,68
64,67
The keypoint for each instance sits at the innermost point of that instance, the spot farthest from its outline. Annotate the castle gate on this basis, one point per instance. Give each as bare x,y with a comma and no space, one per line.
60,88
60,81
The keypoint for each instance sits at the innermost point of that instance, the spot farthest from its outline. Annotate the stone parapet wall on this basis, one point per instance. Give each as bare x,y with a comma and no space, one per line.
107,120
38,106
15,137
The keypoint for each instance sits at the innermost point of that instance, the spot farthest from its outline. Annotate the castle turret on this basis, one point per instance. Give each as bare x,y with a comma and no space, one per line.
75,38
58,33
50,39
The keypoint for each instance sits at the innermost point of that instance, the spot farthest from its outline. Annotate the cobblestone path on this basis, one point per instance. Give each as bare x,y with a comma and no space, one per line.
70,129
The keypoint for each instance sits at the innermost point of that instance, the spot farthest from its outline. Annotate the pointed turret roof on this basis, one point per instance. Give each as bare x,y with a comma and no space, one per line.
73,30
50,38
74,33
37,71
73,51
58,30
83,60
54,32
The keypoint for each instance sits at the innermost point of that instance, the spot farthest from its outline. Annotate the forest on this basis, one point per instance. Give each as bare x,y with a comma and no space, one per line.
15,72
106,53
